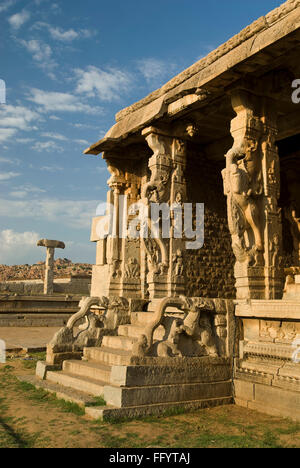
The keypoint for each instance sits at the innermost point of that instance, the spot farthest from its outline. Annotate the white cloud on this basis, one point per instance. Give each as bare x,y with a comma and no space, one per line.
75,214
19,248
6,5
81,142
42,54
13,161
154,69
79,125
24,141
46,146
17,117
14,118
10,237
51,168
15,247
38,49
6,134
23,190
50,101
64,35
17,20
107,85
55,136
8,175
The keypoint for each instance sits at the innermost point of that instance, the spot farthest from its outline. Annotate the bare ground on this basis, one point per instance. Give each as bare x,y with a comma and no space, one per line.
32,418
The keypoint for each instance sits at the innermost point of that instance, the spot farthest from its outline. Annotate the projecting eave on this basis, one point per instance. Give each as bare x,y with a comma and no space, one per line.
255,49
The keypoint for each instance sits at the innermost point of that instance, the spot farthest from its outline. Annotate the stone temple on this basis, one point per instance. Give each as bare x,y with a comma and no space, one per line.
175,324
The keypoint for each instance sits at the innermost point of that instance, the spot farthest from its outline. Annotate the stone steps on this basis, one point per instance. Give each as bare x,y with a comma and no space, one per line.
132,390
61,392
124,343
138,329
110,412
154,394
141,318
108,356
82,384
91,370
107,413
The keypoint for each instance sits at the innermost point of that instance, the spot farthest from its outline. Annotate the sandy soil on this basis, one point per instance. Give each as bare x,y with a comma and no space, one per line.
31,418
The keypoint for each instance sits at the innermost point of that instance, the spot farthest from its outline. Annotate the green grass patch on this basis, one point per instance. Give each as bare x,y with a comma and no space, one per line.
97,401
41,396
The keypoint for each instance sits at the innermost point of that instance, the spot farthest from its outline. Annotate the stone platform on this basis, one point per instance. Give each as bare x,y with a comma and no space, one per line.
136,383
137,390
37,311
26,339
267,372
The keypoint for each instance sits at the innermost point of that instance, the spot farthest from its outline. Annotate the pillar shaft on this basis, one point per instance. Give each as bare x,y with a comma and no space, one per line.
49,271
252,186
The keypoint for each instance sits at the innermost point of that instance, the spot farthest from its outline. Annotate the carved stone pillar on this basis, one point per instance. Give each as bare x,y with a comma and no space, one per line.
131,247
158,191
273,221
252,185
176,277
50,245
49,272
117,185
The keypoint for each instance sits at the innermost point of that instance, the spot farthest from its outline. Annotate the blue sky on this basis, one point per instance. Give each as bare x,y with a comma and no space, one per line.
69,66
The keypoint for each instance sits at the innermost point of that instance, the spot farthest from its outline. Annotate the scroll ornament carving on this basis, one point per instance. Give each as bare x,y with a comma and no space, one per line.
117,175
91,332
196,326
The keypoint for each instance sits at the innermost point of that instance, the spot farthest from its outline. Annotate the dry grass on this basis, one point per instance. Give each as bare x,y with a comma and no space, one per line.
33,418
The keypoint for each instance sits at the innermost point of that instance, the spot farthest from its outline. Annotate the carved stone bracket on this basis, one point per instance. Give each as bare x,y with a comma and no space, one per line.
68,343
191,334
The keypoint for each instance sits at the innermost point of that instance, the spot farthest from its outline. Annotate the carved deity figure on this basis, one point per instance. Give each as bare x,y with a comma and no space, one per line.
178,263
115,268
293,216
132,269
274,249
243,187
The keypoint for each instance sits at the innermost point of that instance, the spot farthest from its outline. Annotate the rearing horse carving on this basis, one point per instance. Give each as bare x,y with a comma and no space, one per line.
243,187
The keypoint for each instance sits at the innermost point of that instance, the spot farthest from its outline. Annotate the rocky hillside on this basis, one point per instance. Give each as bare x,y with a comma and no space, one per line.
64,268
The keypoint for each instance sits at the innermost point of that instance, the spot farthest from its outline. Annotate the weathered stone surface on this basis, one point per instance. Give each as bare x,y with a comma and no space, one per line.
111,413
42,368
155,375
51,244
169,326
267,399
249,42
122,397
